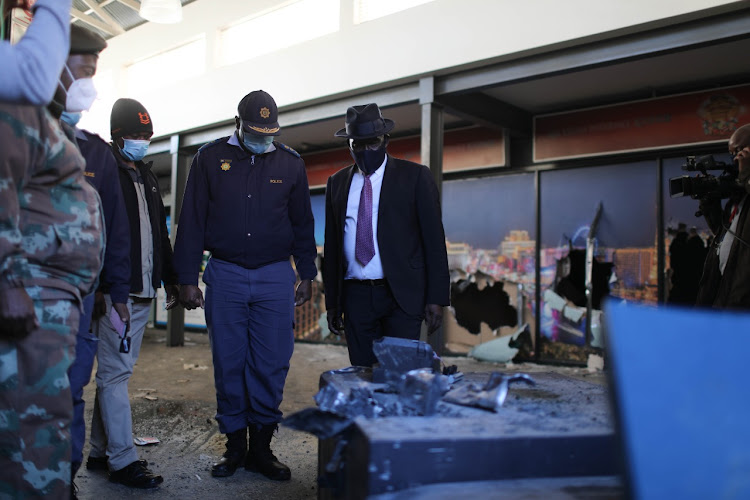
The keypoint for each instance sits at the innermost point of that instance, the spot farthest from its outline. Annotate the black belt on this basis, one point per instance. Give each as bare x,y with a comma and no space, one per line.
378,282
140,300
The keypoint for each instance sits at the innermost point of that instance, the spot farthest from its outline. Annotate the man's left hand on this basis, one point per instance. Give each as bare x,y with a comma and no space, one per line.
433,316
173,291
303,293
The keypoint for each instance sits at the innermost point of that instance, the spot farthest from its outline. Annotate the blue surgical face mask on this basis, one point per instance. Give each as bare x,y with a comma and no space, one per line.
256,144
133,149
70,118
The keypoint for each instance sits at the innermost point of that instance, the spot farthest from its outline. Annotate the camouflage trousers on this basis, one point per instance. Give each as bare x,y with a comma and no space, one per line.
35,404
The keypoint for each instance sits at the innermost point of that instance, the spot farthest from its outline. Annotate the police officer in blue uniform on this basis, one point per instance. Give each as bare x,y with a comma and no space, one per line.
101,172
247,201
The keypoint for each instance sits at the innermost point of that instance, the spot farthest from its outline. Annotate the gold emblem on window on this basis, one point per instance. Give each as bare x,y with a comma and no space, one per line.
265,112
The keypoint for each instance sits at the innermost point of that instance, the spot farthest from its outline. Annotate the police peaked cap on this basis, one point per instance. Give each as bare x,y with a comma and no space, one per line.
85,41
259,114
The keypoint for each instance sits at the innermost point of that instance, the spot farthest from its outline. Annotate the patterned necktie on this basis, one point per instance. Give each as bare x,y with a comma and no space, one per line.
364,249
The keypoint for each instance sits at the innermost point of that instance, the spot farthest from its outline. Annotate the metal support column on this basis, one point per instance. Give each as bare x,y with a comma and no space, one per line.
180,168
660,246
432,156
432,130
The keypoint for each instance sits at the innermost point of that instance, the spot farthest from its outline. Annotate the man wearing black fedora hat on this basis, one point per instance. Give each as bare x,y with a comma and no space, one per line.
385,264
247,201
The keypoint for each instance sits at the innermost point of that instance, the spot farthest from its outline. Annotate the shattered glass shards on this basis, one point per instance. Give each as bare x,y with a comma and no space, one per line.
491,395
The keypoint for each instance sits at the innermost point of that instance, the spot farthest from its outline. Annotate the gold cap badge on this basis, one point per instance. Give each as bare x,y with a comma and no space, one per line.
265,112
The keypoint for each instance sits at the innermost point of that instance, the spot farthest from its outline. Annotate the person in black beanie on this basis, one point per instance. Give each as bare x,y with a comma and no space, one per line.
150,265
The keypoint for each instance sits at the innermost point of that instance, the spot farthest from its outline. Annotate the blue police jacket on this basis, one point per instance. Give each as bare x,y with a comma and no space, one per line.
250,210
101,173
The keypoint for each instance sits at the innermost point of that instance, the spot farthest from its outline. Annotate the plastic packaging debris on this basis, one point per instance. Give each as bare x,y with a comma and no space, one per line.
321,423
491,396
357,402
146,440
399,356
421,390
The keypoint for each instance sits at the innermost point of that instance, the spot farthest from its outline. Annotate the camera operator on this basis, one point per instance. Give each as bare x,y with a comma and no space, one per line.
726,273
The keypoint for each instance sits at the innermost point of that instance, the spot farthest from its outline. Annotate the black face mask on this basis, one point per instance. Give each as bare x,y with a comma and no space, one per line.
369,160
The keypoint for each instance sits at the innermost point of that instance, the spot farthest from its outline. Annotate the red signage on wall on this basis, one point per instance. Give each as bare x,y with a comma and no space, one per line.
464,149
696,118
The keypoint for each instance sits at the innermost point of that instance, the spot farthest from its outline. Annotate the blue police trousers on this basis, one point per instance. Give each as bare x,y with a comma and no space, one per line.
79,374
250,319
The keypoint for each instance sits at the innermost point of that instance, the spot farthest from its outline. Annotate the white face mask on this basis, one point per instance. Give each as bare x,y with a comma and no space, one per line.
81,94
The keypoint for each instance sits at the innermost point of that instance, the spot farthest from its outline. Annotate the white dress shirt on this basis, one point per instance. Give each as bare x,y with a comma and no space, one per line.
354,269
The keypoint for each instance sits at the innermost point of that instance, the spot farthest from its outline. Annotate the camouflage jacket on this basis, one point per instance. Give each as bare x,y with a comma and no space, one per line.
50,218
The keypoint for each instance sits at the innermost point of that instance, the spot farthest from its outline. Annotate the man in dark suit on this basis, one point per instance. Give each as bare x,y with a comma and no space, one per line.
385,264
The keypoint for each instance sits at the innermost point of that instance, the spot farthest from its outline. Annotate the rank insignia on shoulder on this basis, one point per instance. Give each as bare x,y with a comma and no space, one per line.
226,165
288,149
89,174
277,181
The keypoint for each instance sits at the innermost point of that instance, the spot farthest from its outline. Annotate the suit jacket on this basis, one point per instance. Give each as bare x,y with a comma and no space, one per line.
410,236
730,290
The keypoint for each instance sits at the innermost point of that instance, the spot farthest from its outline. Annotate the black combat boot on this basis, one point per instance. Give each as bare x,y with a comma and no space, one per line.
233,457
261,459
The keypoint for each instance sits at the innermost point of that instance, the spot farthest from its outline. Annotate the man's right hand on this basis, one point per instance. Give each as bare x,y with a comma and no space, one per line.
122,310
335,323
16,314
191,297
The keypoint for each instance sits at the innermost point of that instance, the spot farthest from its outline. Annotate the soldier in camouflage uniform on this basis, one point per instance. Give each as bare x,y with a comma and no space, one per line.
51,248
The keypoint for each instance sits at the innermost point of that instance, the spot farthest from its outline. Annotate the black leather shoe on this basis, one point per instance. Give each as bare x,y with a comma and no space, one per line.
269,466
227,465
100,463
136,475
261,459
96,463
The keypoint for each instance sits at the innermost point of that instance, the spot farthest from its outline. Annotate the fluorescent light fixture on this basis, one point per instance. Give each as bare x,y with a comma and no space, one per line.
161,11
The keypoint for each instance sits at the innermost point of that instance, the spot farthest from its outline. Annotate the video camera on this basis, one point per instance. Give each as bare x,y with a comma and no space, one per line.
705,186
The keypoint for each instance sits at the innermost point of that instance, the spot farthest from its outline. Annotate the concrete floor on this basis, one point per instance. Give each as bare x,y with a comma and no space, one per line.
173,399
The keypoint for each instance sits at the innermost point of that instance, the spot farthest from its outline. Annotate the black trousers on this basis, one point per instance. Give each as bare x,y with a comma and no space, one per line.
371,312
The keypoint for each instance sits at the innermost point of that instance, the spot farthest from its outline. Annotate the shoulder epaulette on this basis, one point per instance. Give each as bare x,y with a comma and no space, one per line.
289,150
93,136
209,144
